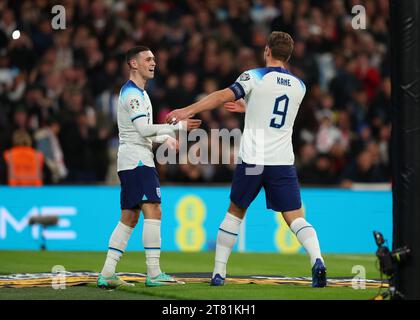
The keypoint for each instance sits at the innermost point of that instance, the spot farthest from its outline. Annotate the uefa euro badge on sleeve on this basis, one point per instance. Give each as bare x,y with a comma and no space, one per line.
244,76
158,192
134,104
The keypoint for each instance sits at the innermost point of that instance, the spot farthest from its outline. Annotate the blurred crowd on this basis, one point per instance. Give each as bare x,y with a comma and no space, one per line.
61,86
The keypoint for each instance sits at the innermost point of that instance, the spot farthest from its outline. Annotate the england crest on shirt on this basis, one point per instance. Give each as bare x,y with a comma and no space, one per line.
245,76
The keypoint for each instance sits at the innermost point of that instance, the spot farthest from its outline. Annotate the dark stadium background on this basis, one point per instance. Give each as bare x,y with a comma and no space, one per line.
66,82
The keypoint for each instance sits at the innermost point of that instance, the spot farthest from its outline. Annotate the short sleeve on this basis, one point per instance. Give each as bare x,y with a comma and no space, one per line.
243,85
135,104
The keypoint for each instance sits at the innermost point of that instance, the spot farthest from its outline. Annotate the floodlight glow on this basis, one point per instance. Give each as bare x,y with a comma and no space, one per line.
16,34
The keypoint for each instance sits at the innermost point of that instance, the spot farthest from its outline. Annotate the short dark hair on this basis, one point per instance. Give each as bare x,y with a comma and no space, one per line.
281,45
131,53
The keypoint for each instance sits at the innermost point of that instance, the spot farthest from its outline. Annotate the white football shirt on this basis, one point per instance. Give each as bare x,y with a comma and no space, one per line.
134,150
273,96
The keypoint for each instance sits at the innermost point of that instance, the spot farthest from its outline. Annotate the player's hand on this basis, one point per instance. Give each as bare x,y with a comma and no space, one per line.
177,115
236,106
191,124
172,143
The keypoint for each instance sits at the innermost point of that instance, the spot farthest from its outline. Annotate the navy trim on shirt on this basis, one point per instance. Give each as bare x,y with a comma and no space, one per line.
138,116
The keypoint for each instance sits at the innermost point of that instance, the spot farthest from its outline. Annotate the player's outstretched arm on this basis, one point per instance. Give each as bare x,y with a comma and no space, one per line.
152,130
209,102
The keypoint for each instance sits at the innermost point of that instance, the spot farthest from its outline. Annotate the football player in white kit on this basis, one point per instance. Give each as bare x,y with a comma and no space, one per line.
270,98
140,188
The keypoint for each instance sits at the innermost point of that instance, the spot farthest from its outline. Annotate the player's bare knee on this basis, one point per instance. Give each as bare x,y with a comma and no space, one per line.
236,211
152,211
157,212
131,222
130,218
134,221
290,216
128,223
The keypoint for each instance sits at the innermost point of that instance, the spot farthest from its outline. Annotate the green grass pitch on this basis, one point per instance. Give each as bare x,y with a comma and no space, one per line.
177,262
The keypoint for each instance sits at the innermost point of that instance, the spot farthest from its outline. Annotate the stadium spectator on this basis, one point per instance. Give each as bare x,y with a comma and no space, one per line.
324,170
46,141
189,173
24,164
363,170
327,134
305,162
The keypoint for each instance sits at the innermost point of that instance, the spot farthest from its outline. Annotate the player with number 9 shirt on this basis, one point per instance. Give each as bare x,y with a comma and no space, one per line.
270,97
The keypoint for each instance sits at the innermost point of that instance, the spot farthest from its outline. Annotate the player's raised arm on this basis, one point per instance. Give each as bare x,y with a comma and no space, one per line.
238,90
209,102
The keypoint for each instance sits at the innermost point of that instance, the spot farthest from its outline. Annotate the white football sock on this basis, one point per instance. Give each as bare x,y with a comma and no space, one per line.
307,237
117,244
151,243
226,238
